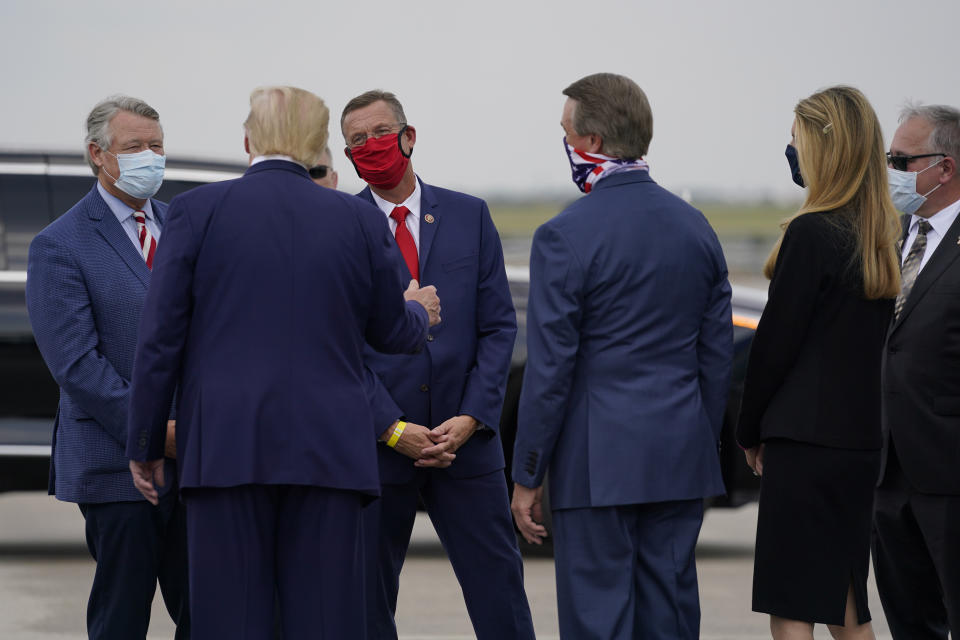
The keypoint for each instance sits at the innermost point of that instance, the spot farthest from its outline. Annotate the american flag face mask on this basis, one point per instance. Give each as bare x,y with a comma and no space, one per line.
588,168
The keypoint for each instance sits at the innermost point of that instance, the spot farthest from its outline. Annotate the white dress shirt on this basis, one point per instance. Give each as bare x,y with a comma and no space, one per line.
125,215
940,223
413,218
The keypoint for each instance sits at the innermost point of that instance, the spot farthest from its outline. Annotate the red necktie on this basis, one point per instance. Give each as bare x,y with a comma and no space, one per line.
148,244
405,241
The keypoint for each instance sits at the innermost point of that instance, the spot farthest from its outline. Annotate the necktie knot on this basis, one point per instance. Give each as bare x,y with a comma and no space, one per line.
399,214
923,227
140,217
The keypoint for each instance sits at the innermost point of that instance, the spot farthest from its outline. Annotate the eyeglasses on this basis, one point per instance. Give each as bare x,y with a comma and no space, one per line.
360,139
319,172
900,162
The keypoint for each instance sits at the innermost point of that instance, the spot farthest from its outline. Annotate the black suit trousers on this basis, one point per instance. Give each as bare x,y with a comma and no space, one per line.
916,557
136,545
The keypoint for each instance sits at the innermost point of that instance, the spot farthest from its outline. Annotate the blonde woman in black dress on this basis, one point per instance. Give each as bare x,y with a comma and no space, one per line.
810,417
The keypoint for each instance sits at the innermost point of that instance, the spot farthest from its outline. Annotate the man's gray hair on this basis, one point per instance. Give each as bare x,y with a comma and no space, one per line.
98,122
615,108
945,134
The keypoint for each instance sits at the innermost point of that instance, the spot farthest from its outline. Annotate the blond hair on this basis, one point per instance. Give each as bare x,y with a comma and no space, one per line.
840,150
287,121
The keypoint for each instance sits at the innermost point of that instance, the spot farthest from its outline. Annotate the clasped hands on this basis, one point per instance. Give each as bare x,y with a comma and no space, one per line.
434,448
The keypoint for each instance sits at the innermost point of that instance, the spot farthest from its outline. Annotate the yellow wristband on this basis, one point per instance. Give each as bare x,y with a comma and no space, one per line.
397,432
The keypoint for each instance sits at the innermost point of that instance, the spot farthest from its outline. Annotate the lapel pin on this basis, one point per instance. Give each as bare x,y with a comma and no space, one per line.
429,220
958,240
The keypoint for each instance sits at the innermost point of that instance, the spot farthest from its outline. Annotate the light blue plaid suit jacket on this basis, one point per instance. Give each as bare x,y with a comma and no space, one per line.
86,283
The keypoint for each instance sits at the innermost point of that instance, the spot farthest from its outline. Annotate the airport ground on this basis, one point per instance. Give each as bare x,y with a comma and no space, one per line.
45,574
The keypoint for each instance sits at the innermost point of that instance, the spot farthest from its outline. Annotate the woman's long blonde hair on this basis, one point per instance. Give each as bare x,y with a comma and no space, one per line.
840,149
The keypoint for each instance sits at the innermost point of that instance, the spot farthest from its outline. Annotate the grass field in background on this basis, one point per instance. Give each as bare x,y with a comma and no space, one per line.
729,220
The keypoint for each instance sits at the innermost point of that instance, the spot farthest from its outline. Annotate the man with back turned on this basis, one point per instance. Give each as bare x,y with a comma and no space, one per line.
259,308
629,345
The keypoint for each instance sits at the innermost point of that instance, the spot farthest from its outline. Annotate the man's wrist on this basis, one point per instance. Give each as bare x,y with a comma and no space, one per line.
395,435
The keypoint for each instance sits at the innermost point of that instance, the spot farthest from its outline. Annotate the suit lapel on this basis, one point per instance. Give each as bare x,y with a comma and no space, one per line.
947,251
429,221
428,226
110,228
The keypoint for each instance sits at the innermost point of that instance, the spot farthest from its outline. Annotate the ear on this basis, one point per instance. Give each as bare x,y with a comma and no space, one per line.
335,179
410,138
96,153
595,144
246,144
949,169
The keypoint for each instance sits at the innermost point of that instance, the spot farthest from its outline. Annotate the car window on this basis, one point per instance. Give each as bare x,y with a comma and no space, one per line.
24,210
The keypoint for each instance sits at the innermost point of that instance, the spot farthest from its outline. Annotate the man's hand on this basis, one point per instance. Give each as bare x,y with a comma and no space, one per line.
449,436
414,439
527,507
170,446
755,459
147,476
427,297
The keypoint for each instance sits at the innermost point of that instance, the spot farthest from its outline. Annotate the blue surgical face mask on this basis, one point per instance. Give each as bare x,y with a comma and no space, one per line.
794,165
903,189
141,174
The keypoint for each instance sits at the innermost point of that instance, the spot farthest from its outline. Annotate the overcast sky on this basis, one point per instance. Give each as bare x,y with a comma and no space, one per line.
481,81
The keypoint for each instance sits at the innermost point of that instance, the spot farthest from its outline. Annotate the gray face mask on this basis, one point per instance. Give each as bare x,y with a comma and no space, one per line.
141,174
903,189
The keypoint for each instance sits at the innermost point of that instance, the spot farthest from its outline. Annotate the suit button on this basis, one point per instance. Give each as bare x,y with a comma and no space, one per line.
418,350
142,442
424,387
429,337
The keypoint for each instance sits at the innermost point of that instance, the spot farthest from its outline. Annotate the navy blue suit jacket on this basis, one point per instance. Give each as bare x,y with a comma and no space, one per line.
629,346
264,291
86,283
464,365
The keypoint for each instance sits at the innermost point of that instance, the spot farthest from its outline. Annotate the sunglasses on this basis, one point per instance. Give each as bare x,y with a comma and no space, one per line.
900,162
319,172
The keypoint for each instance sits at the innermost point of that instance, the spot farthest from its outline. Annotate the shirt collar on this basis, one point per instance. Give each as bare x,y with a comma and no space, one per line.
120,208
259,159
412,202
940,221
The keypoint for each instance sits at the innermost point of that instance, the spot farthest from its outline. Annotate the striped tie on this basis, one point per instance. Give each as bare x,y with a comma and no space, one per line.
148,244
911,266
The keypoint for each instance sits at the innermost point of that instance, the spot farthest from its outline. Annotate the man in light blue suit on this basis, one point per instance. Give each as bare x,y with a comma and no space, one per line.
87,278
629,350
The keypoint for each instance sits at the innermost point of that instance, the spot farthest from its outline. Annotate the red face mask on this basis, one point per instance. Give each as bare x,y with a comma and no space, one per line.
380,162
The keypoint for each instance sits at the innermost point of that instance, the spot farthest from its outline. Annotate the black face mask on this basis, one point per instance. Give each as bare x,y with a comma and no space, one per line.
791,154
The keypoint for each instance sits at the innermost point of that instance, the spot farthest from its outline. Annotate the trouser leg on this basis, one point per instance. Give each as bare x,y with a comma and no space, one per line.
387,526
124,538
319,564
473,520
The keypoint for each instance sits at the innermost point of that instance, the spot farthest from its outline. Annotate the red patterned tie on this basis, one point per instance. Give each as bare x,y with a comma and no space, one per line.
405,241
148,244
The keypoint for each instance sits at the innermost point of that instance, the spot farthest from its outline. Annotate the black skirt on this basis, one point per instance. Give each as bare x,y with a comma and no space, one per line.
813,531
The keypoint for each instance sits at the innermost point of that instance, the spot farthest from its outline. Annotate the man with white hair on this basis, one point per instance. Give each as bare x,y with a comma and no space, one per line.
87,278
916,542
263,297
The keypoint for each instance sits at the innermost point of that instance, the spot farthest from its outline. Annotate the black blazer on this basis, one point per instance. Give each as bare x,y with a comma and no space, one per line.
921,374
814,368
